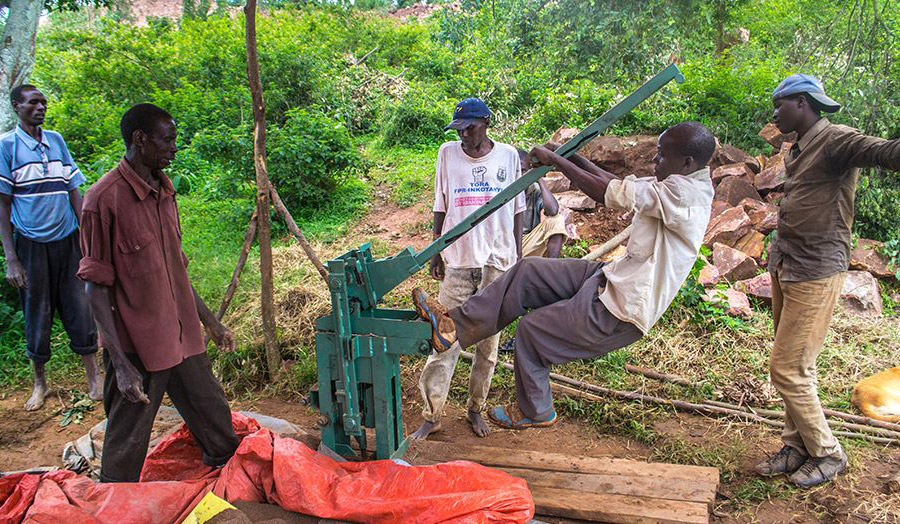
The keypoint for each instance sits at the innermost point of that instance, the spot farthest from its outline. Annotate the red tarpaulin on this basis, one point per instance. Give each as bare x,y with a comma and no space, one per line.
274,470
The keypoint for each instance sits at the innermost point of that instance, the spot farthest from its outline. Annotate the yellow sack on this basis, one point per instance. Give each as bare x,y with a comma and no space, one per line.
878,396
209,506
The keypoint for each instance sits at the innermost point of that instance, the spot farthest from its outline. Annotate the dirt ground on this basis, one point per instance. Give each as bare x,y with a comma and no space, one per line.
29,440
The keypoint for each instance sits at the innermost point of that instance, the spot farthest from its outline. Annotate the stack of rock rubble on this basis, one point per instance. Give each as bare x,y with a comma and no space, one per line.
748,191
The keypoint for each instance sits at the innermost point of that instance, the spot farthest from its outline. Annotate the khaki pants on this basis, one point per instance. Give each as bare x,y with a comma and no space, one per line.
534,243
802,312
458,285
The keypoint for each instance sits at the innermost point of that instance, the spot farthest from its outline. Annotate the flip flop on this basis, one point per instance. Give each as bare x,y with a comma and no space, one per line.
500,416
438,341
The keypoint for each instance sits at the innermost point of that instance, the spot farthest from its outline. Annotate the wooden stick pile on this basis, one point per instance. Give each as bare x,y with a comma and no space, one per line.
847,425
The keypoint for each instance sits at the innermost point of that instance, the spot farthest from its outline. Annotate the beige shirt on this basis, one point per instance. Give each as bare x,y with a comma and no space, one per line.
667,231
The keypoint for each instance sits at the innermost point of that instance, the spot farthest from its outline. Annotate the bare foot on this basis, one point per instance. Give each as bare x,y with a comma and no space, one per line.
37,397
427,428
40,389
479,426
95,380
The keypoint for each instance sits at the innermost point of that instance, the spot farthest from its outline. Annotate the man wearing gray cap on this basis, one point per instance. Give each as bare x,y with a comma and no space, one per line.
807,262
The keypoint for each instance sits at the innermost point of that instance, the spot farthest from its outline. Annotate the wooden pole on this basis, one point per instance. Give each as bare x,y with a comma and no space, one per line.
656,375
609,245
839,424
236,275
856,419
703,409
267,289
292,226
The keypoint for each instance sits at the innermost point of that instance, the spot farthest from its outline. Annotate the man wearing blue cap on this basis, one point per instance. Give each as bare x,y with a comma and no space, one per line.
808,261
469,172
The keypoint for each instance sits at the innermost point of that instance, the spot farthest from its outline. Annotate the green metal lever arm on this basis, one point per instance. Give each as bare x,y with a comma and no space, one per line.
388,270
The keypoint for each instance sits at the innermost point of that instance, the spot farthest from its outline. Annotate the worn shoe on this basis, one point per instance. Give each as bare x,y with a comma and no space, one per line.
511,417
819,470
786,461
509,345
443,332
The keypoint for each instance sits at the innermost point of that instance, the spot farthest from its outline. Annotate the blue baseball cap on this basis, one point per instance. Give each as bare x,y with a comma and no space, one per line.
467,112
796,84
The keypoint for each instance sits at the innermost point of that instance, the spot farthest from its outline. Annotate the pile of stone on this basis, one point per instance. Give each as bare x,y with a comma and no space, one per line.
748,191
745,211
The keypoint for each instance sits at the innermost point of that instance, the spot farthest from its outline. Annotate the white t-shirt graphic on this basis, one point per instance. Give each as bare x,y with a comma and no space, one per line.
462,184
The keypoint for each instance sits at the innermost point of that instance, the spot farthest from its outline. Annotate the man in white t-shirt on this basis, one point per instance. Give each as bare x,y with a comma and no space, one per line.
468,174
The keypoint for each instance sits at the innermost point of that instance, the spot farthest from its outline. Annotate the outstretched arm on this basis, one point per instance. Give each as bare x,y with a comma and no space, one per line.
581,161
592,183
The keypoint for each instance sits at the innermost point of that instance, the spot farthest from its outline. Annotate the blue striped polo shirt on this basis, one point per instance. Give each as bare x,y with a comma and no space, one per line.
39,176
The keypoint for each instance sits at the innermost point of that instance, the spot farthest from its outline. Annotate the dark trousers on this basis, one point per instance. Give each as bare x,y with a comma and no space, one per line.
563,319
52,286
194,391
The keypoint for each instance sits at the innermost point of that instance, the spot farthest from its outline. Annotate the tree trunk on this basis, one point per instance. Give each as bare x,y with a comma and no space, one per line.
17,53
267,292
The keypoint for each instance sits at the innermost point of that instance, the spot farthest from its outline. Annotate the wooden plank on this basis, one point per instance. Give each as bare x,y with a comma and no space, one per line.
524,459
644,486
617,509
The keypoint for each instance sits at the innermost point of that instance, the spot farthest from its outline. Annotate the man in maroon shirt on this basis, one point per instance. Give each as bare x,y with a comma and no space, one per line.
148,312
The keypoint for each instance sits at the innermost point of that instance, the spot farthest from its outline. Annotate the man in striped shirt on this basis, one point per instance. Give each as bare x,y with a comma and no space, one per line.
40,209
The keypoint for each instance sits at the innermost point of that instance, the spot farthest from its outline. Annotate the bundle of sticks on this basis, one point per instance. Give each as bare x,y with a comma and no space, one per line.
844,424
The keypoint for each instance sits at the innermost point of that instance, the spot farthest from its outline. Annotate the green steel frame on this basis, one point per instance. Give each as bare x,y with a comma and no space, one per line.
358,346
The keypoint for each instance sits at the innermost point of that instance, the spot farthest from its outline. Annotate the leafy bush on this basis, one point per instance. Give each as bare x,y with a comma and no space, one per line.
309,156
878,206
576,105
418,119
732,97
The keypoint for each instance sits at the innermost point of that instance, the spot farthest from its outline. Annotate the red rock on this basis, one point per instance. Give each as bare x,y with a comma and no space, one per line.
556,182
763,216
751,245
729,155
727,227
861,294
738,170
576,200
759,287
774,198
563,135
774,137
733,264
772,177
867,257
630,155
733,190
709,275
718,207
735,302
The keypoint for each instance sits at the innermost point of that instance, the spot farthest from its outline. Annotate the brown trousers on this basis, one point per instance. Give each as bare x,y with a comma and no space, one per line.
802,312
194,391
562,320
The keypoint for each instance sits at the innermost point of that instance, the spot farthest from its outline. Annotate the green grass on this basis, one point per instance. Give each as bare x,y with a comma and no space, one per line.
409,173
